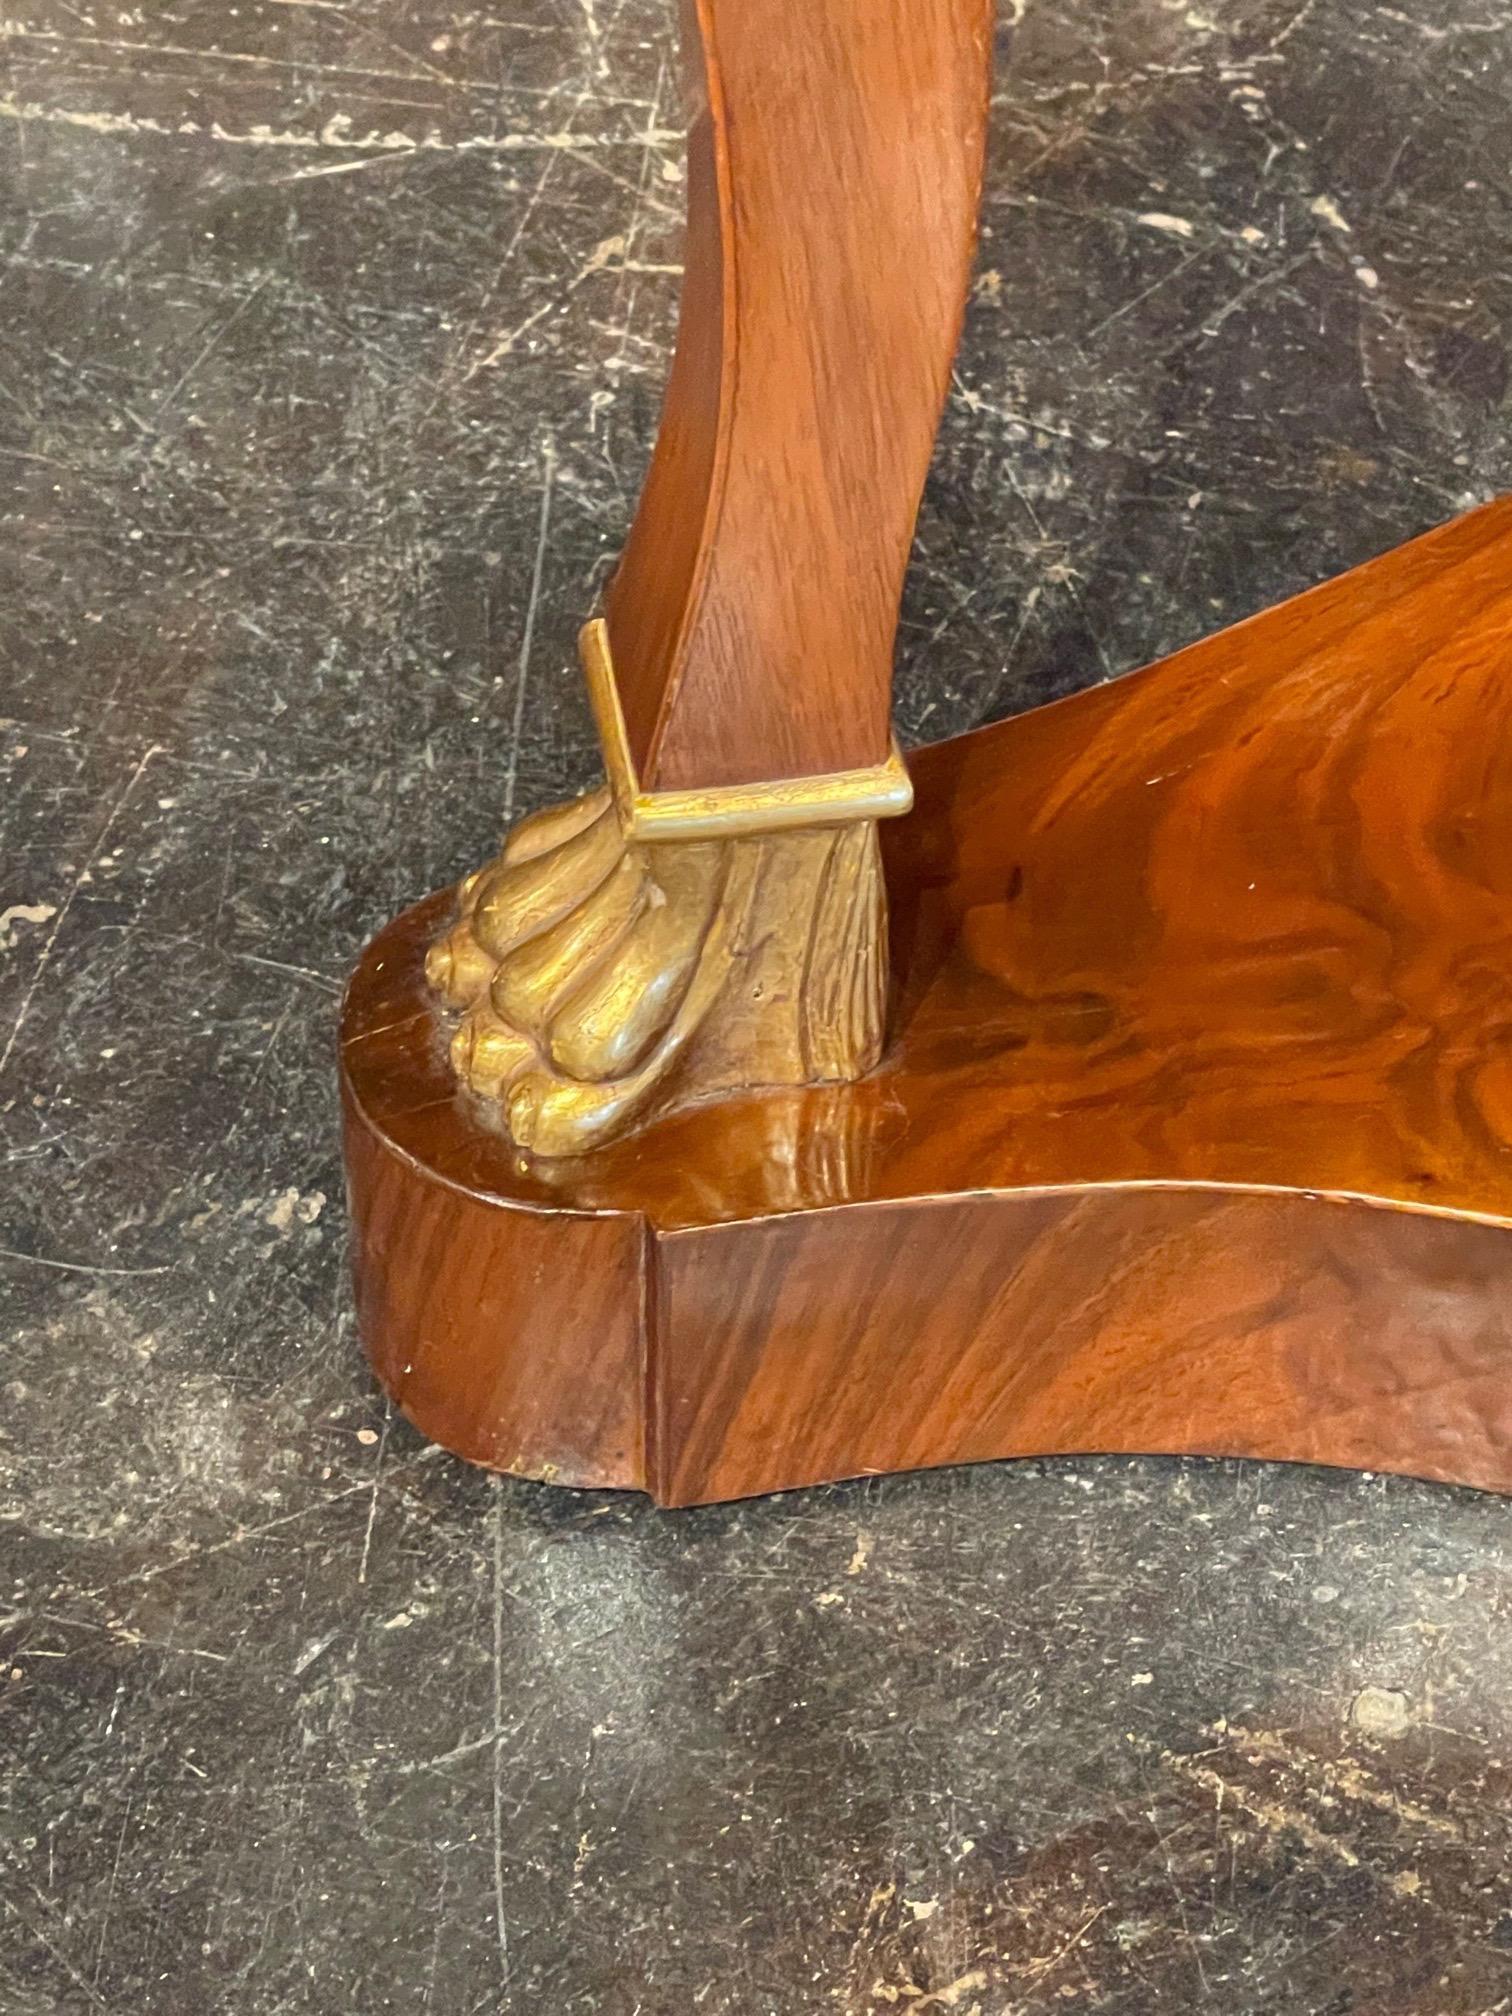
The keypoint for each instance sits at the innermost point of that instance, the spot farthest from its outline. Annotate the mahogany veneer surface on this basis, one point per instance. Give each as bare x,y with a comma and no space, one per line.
834,171
1193,1134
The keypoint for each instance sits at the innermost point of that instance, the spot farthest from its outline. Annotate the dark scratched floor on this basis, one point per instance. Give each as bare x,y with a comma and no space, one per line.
331,337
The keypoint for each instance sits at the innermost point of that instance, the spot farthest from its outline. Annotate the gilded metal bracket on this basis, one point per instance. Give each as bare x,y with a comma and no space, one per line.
600,980
725,811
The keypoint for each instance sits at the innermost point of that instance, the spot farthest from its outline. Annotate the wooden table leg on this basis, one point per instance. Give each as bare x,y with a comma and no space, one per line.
718,921
834,167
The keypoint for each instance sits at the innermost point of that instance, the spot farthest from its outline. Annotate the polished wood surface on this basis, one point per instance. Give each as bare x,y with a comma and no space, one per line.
834,166
513,1337
1194,1133
1090,1319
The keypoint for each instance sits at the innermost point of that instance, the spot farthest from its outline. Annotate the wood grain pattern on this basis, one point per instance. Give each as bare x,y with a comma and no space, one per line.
1062,1322
834,167
1195,1132
464,1305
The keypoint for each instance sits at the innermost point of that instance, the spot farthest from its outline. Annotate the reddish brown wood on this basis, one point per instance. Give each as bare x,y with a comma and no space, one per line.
1092,1319
1195,1133
834,164
467,1308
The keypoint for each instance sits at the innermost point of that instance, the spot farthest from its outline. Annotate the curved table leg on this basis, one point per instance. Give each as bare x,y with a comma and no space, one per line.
722,923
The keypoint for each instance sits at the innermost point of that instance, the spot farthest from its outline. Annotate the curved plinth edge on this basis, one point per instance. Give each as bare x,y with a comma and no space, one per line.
719,1360
511,1335
1100,1321
1194,1135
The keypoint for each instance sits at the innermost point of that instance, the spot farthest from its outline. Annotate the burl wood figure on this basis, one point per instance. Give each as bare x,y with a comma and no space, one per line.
1147,1087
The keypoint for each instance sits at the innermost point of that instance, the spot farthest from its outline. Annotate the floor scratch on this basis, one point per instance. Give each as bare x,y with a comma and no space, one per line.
511,775
94,853
79,1266
115,1870
500,1922
367,1537
87,1988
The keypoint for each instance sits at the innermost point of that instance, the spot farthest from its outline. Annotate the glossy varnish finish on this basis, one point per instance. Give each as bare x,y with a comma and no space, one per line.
1193,1134
834,165
1104,1319
467,1308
